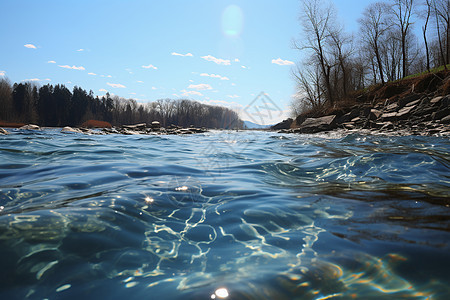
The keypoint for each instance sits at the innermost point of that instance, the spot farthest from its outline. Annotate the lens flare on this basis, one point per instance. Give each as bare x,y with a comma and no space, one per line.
232,21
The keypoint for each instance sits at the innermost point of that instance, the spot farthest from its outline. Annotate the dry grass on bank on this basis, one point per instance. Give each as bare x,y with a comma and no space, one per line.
96,124
11,124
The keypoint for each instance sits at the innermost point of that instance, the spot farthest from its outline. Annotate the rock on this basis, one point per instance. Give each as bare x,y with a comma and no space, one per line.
436,100
437,115
423,110
313,125
68,129
389,116
30,127
374,114
285,131
378,124
435,131
88,131
404,112
156,124
140,126
3,131
391,107
198,130
129,132
355,112
110,130
184,131
285,124
365,112
413,103
404,101
349,125
445,120
387,125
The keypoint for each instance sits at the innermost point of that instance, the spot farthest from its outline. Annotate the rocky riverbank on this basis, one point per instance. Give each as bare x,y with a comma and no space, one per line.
420,107
414,115
136,129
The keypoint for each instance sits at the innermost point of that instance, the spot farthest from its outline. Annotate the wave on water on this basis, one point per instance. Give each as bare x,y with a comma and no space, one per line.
223,215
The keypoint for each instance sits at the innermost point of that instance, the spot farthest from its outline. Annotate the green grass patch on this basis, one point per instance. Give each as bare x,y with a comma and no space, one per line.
434,70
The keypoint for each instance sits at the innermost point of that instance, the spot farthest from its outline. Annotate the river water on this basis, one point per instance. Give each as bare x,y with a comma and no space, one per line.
224,215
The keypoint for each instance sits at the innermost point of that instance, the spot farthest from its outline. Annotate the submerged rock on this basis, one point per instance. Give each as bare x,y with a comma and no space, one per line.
68,129
30,127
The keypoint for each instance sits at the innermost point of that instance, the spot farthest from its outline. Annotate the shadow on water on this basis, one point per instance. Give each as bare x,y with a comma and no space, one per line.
224,215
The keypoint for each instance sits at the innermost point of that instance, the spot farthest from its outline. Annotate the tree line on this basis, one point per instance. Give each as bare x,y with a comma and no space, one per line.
385,48
58,106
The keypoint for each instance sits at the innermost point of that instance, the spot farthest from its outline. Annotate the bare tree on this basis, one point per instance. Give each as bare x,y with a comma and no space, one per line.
427,15
442,11
374,26
342,49
310,92
402,10
441,14
317,20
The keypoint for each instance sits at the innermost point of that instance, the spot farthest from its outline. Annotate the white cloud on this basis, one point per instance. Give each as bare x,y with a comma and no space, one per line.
72,67
281,62
103,90
79,50
30,46
214,76
132,93
92,74
219,61
51,62
244,67
190,93
36,80
233,96
139,81
150,67
179,54
233,84
154,88
116,85
236,60
109,76
2,73
233,105
200,87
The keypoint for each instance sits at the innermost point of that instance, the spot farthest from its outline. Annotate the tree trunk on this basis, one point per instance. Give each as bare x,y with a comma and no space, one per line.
380,63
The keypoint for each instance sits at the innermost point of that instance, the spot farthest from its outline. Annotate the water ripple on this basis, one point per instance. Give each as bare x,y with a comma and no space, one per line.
239,215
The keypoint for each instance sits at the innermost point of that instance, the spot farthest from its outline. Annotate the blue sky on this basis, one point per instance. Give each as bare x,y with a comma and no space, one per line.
217,52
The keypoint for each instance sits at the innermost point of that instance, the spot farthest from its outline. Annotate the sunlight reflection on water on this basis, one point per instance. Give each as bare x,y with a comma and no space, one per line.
308,217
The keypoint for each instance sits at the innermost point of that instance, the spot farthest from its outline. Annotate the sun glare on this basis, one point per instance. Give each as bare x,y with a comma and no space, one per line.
232,21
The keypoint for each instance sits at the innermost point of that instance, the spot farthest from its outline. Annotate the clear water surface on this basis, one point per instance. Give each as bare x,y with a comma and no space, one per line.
224,215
